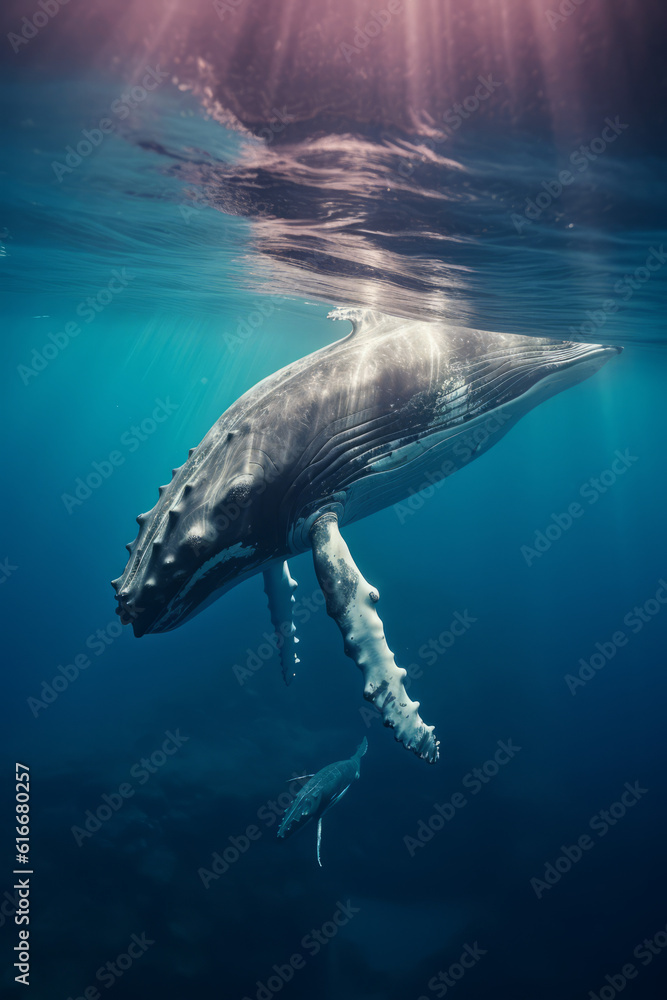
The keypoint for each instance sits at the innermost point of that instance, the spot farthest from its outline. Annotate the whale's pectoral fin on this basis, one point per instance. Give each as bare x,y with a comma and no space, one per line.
350,601
333,802
279,587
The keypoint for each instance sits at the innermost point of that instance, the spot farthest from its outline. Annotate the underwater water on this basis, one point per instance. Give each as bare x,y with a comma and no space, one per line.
146,288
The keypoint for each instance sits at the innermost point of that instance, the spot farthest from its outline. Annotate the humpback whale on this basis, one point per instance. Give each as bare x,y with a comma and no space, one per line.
323,791
348,430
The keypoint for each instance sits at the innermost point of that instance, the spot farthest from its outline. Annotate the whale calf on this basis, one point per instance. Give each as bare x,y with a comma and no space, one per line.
346,431
323,791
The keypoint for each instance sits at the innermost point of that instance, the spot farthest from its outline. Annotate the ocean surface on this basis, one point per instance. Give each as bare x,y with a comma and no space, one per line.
150,278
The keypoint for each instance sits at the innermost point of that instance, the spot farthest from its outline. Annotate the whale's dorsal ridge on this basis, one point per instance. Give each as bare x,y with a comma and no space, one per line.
362,320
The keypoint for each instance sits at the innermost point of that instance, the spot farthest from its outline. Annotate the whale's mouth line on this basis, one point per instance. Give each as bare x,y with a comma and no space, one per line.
184,604
129,615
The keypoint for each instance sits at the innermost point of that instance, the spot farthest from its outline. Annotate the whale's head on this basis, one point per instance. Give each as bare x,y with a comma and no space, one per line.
206,533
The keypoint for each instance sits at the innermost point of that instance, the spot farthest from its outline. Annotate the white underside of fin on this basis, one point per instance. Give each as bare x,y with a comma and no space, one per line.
333,802
279,587
350,601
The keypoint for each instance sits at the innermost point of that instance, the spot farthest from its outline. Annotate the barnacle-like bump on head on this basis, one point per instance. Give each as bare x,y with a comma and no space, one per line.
239,489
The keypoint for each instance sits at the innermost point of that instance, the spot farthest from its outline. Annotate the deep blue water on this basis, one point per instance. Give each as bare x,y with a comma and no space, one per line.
200,228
